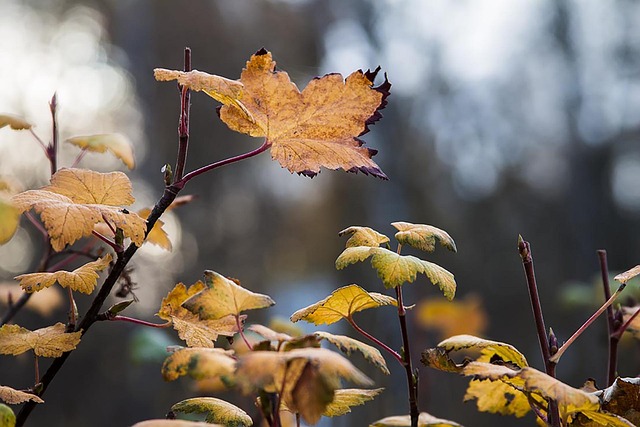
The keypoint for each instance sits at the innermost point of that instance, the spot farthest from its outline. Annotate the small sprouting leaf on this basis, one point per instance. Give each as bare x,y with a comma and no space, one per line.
116,143
363,236
77,199
450,318
424,420
348,344
51,341
628,275
422,236
7,417
198,363
223,297
506,352
14,122
119,307
82,279
44,302
342,303
217,410
195,331
174,423
14,397
345,399
9,219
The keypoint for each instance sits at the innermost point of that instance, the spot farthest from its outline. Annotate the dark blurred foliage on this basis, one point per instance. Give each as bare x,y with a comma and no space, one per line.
546,147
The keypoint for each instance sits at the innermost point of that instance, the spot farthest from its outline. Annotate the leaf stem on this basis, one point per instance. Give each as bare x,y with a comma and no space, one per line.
52,148
109,242
585,325
37,225
73,311
241,332
412,382
40,142
183,123
612,352
36,367
117,317
79,157
388,349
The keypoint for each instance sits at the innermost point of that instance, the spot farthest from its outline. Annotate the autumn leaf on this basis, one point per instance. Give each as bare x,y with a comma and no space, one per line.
628,275
342,303
174,423
157,236
116,143
195,331
217,410
490,349
422,236
347,398
7,417
77,199
269,334
51,341
569,399
43,302
450,318
14,122
82,279
600,419
424,420
14,397
622,398
198,363
438,358
348,344
497,397
9,219
318,127
395,269
223,297
363,236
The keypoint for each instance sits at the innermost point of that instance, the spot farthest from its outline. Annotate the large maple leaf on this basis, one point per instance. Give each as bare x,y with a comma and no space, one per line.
318,127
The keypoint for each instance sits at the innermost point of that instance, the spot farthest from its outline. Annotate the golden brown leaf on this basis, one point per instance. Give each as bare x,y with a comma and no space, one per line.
195,331
116,143
43,302
14,397
450,318
345,399
51,341
82,279
342,303
157,236
14,122
198,363
78,199
363,236
422,236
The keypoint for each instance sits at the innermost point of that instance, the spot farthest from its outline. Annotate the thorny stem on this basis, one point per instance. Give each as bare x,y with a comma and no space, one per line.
613,341
388,349
117,317
590,320
241,332
550,367
183,124
52,148
108,241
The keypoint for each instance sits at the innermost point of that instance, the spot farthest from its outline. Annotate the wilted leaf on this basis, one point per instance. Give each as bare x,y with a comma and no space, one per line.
217,410
9,219
342,303
438,358
14,397
424,420
14,122
7,417
348,344
82,279
78,199
174,423
195,331
311,394
269,334
623,398
223,297
51,341
506,352
422,236
116,143
198,363
363,236
628,275
345,399
451,318
43,302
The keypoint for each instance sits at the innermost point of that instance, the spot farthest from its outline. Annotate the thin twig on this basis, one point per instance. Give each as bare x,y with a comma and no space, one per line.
612,360
119,318
183,124
79,157
375,340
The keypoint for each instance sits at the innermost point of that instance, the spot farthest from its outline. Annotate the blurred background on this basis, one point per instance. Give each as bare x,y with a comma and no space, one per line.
504,119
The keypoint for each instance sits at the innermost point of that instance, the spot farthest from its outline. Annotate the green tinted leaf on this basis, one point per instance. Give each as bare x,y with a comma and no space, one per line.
348,344
363,236
345,399
422,236
217,410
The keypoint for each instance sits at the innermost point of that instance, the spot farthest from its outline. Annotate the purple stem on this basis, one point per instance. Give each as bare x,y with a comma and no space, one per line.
183,124
613,341
119,318
52,149
388,349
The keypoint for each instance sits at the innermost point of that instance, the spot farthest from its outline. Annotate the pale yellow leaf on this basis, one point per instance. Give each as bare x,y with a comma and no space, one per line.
269,334
628,275
198,363
345,399
77,199
51,341
497,397
223,297
424,420
217,410
44,302
82,279
506,352
348,344
14,397
363,236
195,331
116,143
14,122
342,303
422,236
174,423
9,219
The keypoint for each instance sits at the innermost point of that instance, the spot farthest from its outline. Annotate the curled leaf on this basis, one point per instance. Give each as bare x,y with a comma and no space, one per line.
116,143
363,236
14,397
490,349
217,410
51,341
422,236
14,122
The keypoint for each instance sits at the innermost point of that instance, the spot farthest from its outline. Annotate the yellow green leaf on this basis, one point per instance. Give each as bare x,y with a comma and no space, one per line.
44,302
628,275
363,236
506,352
217,410
449,318
195,331
77,199
342,303
82,279
14,122
348,344
198,363
7,417
9,219
174,423
223,297
424,420
345,399
422,236
14,397
116,143
51,341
